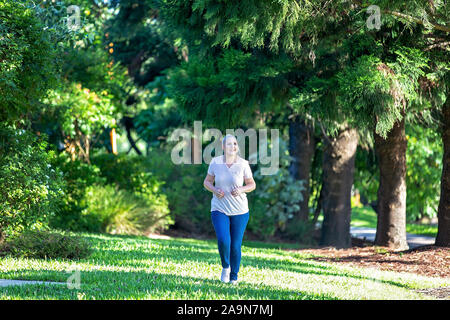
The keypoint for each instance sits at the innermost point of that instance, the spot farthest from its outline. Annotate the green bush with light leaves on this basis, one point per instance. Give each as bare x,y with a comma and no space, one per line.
31,187
275,199
78,177
132,201
119,211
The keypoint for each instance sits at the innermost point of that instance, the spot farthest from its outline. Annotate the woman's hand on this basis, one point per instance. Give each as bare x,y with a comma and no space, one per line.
236,192
219,193
250,185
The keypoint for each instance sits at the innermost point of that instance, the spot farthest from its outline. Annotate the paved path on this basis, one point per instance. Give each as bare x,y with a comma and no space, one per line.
6,283
413,240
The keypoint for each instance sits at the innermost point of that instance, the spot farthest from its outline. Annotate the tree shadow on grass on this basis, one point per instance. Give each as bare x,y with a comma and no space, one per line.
194,242
181,254
182,251
119,285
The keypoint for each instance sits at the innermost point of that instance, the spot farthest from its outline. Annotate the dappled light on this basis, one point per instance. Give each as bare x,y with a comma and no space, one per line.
224,150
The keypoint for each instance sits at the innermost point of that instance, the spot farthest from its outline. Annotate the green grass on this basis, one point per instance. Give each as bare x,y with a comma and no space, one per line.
366,217
425,230
128,267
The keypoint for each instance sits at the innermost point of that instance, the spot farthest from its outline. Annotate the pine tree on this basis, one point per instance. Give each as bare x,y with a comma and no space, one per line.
254,72
254,55
414,38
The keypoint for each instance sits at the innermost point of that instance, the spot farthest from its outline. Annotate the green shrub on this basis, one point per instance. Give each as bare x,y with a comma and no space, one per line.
124,212
261,224
129,172
115,194
78,177
275,199
182,185
30,186
189,201
47,245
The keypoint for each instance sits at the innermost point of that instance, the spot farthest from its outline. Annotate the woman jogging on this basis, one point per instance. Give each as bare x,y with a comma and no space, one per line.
229,205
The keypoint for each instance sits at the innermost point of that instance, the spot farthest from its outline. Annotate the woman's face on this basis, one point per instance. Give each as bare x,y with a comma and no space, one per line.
231,146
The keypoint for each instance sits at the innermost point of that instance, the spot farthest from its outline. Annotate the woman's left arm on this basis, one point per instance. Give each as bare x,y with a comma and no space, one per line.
249,186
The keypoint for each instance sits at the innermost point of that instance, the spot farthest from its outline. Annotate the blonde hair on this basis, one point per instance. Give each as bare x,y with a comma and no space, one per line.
225,138
229,136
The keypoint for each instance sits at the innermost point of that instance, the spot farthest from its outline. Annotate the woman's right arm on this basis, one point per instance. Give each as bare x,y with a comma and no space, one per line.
208,183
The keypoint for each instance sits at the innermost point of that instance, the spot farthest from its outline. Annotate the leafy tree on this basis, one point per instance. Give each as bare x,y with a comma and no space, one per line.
28,59
378,93
255,72
416,33
82,113
377,86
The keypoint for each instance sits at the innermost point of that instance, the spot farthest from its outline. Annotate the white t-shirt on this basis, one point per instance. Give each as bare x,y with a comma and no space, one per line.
227,179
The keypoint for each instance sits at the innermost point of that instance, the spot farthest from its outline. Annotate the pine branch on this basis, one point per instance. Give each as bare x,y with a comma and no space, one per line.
443,45
413,19
416,20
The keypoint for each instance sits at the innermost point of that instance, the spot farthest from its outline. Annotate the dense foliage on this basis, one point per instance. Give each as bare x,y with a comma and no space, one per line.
119,211
31,187
78,177
424,168
28,59
275,201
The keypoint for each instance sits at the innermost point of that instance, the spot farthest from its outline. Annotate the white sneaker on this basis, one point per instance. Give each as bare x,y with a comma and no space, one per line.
225,277
234,282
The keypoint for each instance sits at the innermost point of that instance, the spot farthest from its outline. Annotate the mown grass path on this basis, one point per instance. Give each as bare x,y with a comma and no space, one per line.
126,267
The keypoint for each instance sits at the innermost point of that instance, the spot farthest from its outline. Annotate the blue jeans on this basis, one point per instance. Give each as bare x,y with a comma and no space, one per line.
230,232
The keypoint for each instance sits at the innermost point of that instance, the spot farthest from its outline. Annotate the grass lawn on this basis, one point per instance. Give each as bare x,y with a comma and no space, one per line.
127,267
366,217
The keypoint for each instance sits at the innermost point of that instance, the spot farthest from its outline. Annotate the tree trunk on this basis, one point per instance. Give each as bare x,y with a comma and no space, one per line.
301,148
391,206
443,236
128,123
338,169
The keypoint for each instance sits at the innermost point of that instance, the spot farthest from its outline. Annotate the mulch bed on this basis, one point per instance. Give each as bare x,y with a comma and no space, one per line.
426,260
429,261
